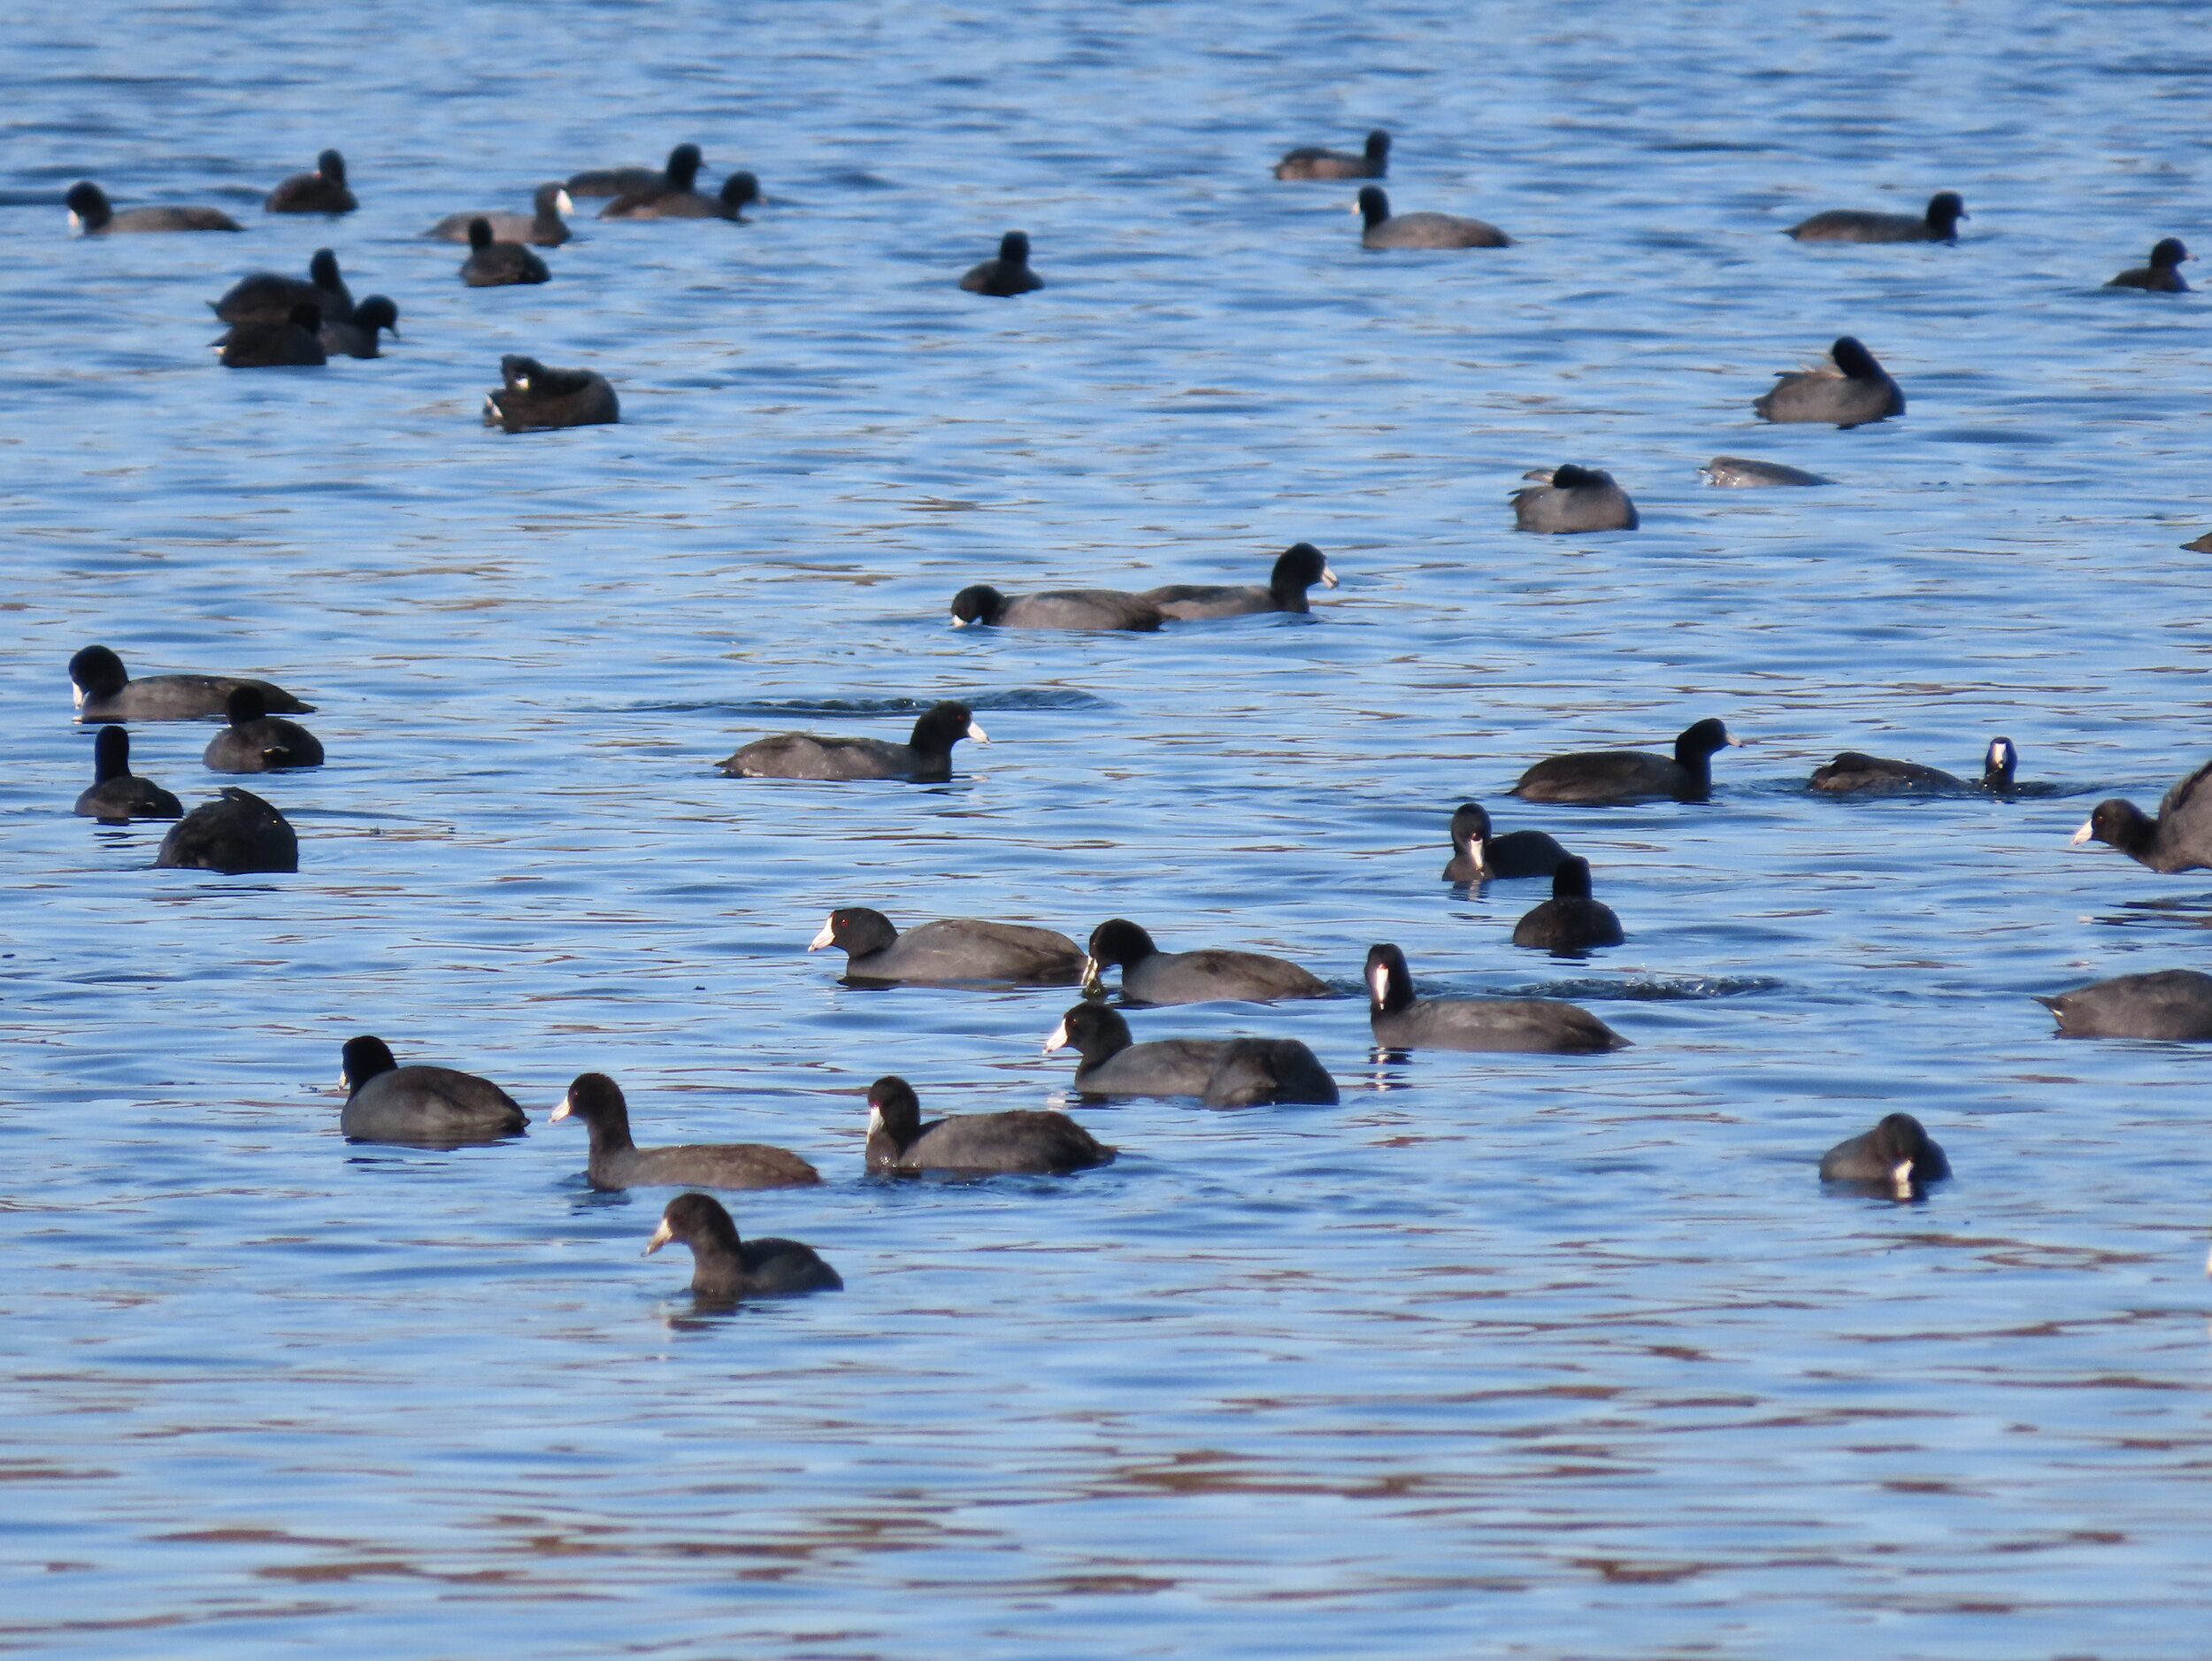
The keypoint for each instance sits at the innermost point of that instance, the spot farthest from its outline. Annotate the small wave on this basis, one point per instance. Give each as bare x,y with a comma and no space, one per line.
1655,989
1014,698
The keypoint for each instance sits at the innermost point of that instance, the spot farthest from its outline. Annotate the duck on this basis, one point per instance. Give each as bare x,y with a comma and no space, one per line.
257,742
104,691
1897,1156
1384,229
269,297
1938,223
1570,921
951,949
1741,472
417,1106
294,343
236,834
2171,1004
1220,1071
1571,498
725,1269
1315,161
1478,856
619,1163
1045,1144
925,758
1854,774
322,191
493,264
739,192
1849,389
2180,839
543,226
1297,568
1609,776
90,214
1054,608
1149,976
1009,274
1400,1020
682,169
355,337
535,399
117,795
2162,275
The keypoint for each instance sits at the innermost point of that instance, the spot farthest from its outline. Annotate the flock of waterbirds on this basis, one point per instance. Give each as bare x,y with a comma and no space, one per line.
280,321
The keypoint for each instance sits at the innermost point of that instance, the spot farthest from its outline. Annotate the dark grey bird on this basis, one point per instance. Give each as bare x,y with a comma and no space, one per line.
1855,773
534,398
2162,275
1054,608
619,1163
1019,1140
322,191
118,794
953,949
1220,1071
357,336
1896,1158
2180,839
739,192
493,264
1849,389
1384,229
1740,472
2171,1003
1938,223
257,742
1570,921
420,1106
236,833
269,297
1149,976
1478,856
725,1269
1316,161
1297,568
1602,776
104,691
90,214
1009,274
925,758
682,170
1399,1020
1571,498
543,226
294,343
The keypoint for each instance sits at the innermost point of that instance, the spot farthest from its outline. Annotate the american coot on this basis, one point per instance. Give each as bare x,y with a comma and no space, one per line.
725,1268
739,192
1009,274
925,758
1571,921
1571,498
1740,472
117,795
1478,856
2162,275
1526,1026
104,692
1017,1140
1297,568
1220,1071
543,226
1850,389
1897,1156
420,1106
1854,774
257,742
269,297
355,337
91,215
1938,223
619,1163
952,949
322,191
1604,776
1149,976
682,170
2166,1003
537,399
236,833
1314,161
1384,229
493,264
1055,608
294,343
2180,839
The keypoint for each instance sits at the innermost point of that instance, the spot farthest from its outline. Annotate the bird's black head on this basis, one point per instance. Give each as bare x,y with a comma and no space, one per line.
332,167
245,704
1374,205
1854,359
363,1059
1389,982
98,672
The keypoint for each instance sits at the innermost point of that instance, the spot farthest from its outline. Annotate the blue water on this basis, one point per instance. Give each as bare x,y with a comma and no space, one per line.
1512,1355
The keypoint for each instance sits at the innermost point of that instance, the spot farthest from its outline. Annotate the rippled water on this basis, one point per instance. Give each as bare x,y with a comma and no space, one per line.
1514,1356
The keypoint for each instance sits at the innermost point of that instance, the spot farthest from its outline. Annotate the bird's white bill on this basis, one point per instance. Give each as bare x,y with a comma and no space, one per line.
1058,1040
562,204
826,938
2086,834
978,734
76,225
1093,981
522,383
875,1119
1902,1178
345,1083
560,1112
76,695
960,622
661,1237
1328,577
1378,981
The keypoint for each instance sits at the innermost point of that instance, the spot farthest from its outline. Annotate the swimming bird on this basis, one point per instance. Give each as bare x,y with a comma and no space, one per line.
1383,229
235,833
355,337
1316,161
2180,839
1938,223
322,191
104,692
1009,274
619,1163
725,1268
2162,275
493,264
536,399
1297,568
1604,776
1478,856
1897,1156
1854,774
925,758
2172,1003
682,169
1021,1139
1571,921
294,343
951,949
1054,608
1220,1071
543,224
257,742
1400,1020
1149,976
117,795
420,1106
1740,472
1571,498
91,215
269,297
739,192
1849,389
